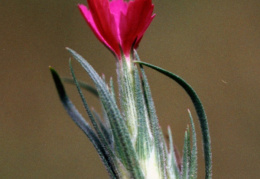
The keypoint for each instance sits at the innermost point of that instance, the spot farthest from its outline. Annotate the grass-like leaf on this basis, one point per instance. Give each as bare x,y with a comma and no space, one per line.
153,121
174,169
200,112
143,143
83,85
81,123
194,158
106,131
124,144
112,89
102,138
186,155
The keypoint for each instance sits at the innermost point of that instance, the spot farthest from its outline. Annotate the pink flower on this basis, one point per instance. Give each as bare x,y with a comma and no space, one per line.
119,24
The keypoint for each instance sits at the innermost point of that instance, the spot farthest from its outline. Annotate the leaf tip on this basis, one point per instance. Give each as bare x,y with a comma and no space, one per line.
51,68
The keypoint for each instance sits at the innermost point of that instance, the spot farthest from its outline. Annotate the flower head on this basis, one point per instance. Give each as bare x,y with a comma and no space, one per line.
118,24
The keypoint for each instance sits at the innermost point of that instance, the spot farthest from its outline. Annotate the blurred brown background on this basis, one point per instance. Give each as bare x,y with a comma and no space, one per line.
214,45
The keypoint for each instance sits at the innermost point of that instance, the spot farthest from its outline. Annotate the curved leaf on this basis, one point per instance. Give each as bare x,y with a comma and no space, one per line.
155,128
82,124
200,112
117,123
83,85
103,140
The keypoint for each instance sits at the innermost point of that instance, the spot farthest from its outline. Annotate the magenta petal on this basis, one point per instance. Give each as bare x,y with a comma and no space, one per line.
89,19
142,31
119,24
118,7
105,23
135,22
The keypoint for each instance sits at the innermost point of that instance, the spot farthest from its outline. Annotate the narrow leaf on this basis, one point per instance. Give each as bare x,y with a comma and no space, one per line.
173,165
194,158
104,142
112,89
143,143
81,123
83,85
186,156
104,129
200,112
116,121
153,121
